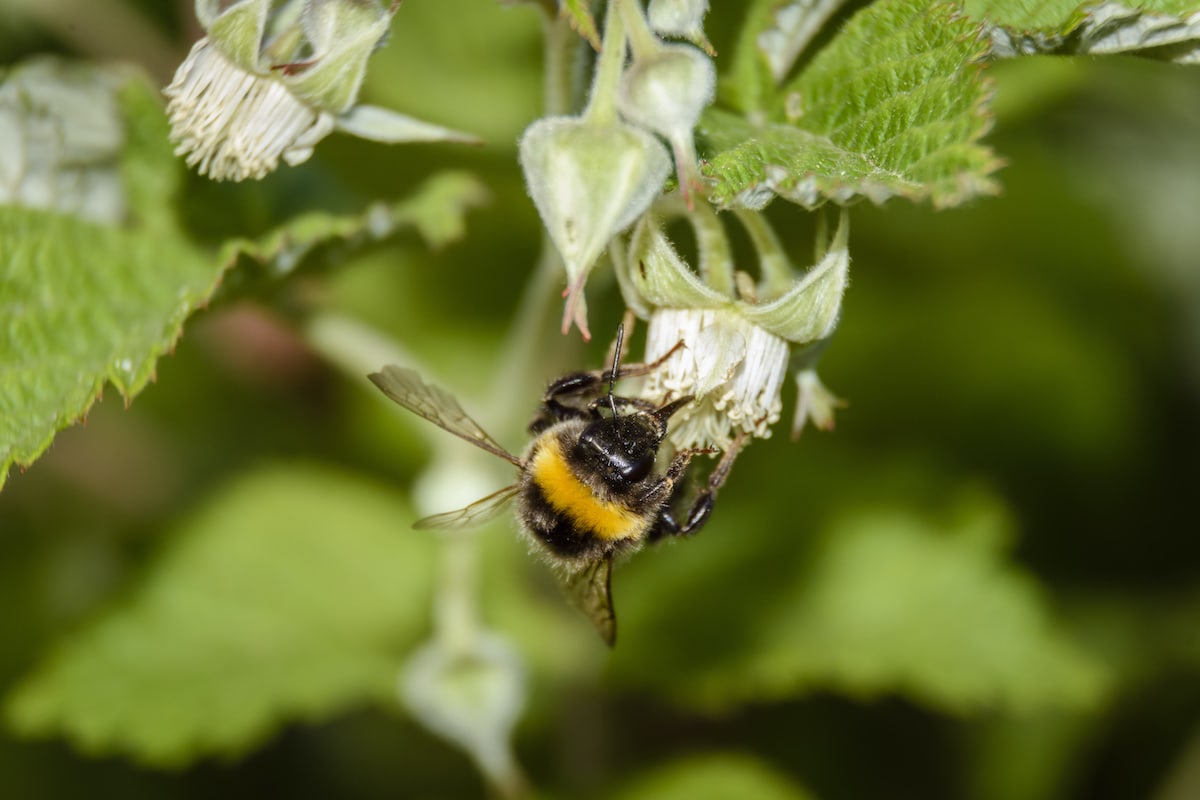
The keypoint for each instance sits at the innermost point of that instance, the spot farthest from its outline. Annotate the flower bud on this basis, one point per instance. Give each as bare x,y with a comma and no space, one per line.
665,90
683,18
471,697
813,402
666,93
589,181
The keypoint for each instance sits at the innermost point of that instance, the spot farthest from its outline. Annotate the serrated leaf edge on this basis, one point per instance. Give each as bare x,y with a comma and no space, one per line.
811,190
1090,25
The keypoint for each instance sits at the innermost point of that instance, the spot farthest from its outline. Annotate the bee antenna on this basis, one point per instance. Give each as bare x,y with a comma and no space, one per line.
616,363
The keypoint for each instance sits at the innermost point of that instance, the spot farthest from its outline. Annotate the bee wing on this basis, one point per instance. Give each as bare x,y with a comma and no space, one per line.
588,588
475,514
436,405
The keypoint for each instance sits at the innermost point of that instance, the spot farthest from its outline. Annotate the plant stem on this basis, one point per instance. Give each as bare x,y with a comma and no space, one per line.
522,348
716,258
776,268
351,346
642,40
559,65
456,618
602,105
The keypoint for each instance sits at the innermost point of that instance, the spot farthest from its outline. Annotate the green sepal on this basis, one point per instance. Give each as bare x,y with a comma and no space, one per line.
661,278
238,33
343,37
809,310
207,12
383,125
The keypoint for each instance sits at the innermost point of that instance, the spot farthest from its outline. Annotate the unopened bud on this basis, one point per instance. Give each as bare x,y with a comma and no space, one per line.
666,93
589,181
683,18
471,698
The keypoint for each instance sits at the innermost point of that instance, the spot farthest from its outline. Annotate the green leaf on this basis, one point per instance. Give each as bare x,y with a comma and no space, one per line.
748,85
579,14
773,36
1166,29
894,106
892,603
437,211
88,303
94,303
292,595
718,776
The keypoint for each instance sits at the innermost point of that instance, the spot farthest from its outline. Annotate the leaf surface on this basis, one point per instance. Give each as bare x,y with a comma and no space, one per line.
292,595
886,602
716,776
1165,29
85,303
895,105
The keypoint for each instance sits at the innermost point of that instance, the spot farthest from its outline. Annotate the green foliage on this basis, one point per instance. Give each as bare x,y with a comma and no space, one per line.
893,106
891,602
895,604
747,84
92,303
718,776
290,596
1166,29
437,211
857,597
579,13
102,304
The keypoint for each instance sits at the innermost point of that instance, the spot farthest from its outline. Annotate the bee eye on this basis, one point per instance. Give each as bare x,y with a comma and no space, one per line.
610,447
637,470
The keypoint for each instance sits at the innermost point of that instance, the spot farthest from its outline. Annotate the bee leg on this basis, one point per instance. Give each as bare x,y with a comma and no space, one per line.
580,383
645,367
588,385
663,490
702,506
576,384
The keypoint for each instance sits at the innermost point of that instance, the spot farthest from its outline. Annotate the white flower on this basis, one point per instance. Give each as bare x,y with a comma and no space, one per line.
232,125
737,334
734,368
271,79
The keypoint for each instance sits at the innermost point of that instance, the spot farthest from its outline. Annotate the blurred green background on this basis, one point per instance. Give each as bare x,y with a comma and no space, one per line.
983,584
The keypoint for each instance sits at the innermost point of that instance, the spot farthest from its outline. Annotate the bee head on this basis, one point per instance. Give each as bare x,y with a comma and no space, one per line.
623,448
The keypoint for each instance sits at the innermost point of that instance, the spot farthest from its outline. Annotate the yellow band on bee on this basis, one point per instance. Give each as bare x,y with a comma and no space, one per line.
570,496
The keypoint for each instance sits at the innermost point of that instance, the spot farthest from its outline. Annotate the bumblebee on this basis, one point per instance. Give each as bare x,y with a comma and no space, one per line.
587,489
